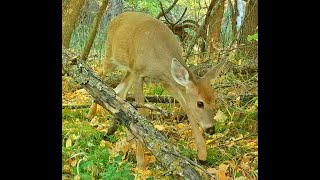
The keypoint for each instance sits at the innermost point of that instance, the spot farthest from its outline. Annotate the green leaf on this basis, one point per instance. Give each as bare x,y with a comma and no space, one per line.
253,37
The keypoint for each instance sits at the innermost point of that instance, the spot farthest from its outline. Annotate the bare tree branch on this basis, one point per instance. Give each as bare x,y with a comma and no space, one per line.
168,10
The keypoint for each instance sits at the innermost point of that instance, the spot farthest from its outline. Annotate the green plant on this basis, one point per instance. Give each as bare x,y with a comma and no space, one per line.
117,170
253,37
215,157
186,151
112,139
99,164
158,90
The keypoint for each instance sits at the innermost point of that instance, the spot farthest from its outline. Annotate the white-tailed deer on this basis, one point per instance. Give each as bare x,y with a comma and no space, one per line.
147,48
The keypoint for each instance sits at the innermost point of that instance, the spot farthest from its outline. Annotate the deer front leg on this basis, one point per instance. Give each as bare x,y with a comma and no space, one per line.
200,142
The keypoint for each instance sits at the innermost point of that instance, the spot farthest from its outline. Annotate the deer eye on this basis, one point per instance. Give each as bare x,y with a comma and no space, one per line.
200,104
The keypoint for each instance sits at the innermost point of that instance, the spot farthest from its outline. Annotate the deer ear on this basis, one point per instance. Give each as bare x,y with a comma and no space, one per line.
213,73
179,73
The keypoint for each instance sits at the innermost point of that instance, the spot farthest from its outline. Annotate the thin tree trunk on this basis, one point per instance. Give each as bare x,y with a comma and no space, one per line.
215,28
70,13
249,49
203,29
125,114
235,14
94,29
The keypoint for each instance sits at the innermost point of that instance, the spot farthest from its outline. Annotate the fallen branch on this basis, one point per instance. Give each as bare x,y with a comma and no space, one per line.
128,116
149,106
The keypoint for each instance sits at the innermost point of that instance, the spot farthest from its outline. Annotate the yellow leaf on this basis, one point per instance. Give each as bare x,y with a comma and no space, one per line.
212,170
180,126
74,137
69,143
229,145
77,177
240,178
237,101
125,149
159,127
144,173
66,168
73,163
148,159
102,143
223,167
222,176
220,116
222,172
210,141
251,145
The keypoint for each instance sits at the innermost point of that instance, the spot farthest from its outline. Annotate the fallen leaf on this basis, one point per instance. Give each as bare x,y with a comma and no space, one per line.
229,145
222,172
251,145
240,178
73,163
180,126
66,168
237,101
68,142
212,170
82,91
148,159
77,177
143,173
210,141
102,143
159,127
220,116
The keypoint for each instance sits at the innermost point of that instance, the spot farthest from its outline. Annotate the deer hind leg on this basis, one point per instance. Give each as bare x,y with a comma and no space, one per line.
139,97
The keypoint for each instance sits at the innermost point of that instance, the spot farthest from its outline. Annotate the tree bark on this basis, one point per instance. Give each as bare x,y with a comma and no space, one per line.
93,31
215,21
235,14
250,49
70,13
211,11
125,114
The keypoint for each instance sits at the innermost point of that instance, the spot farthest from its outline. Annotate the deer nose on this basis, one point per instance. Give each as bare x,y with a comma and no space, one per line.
210,130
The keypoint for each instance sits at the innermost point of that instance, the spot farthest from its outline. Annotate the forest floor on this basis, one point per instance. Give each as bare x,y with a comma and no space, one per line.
88,153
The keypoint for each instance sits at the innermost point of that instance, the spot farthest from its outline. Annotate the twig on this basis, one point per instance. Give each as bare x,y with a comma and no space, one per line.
166,11
220,145
148,106
196,165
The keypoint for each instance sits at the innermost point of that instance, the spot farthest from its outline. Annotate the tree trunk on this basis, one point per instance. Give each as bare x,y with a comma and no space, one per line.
203,29
115,7
249,49
235,14
93,31
128,116
70,13
214,29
